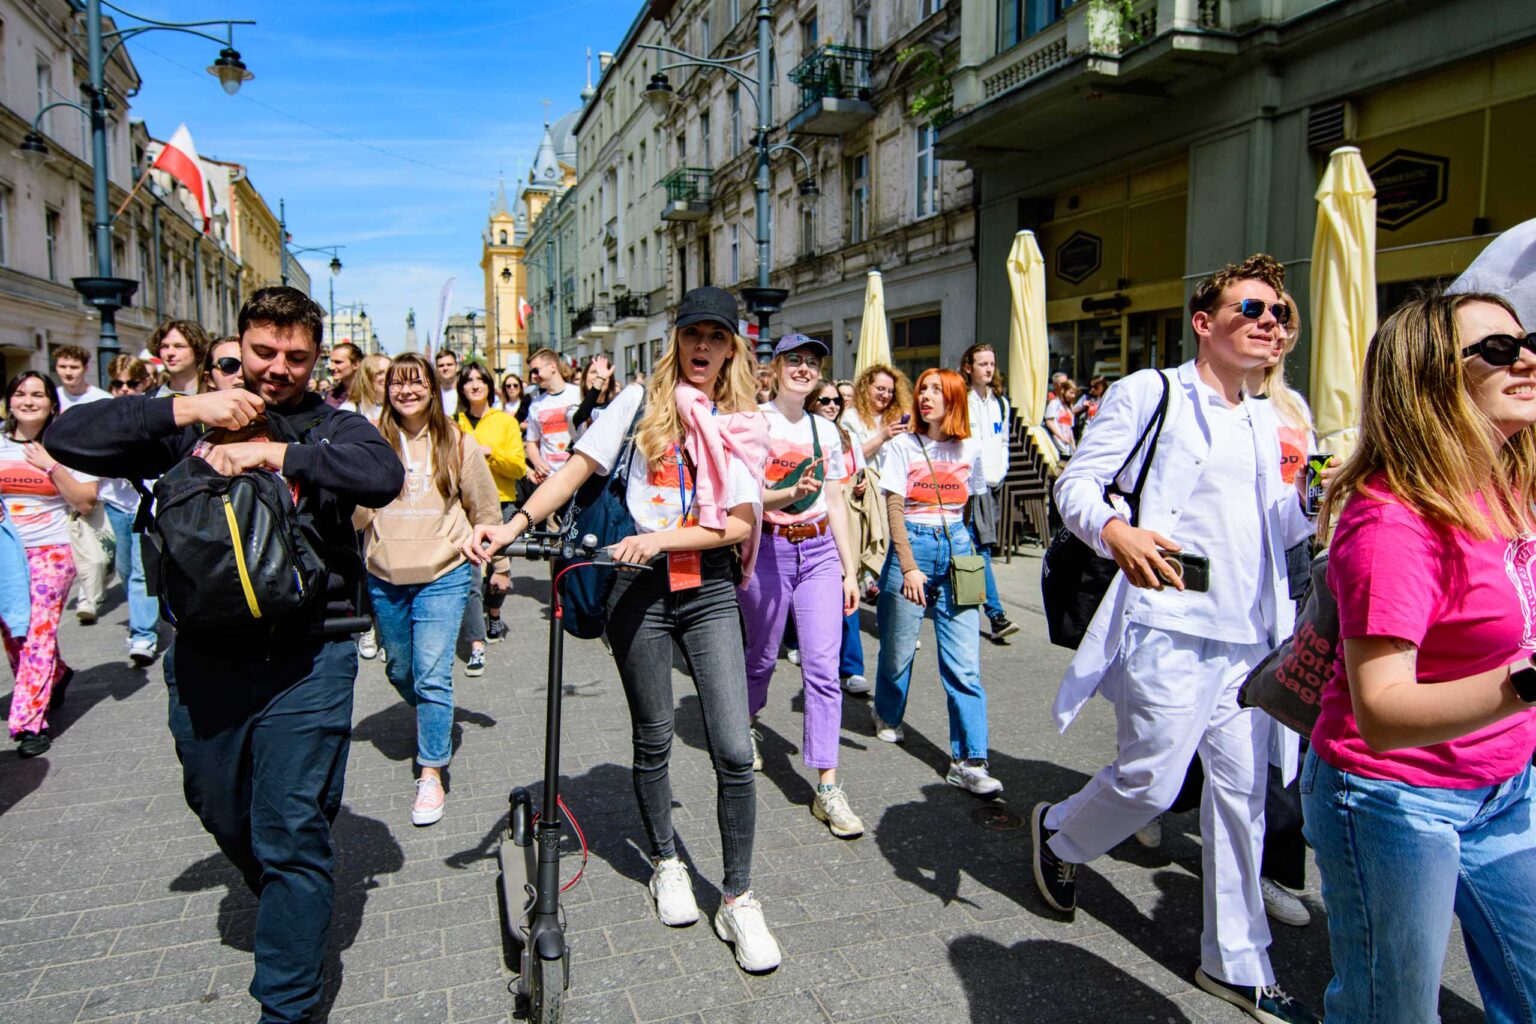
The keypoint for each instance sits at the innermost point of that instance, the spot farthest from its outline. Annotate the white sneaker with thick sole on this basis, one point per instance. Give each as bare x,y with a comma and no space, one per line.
883,731
757,755
672,892
368,645
971,775
831,806
1283,906
742,925
856,685
141,652
428,808
1150,835
793,655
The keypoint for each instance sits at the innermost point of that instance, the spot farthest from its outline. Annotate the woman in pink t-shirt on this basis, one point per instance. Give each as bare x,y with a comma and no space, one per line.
1417,790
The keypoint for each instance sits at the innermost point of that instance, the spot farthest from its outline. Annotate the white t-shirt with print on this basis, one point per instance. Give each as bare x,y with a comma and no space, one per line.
549,424
655,494
936,496
789,444
32,501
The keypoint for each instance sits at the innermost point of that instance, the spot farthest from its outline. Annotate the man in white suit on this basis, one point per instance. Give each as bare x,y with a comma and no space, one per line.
1171,657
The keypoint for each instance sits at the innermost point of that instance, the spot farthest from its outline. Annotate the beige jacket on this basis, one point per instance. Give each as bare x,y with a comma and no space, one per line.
416,538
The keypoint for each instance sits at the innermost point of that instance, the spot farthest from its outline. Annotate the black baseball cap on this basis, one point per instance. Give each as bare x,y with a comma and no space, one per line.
715,305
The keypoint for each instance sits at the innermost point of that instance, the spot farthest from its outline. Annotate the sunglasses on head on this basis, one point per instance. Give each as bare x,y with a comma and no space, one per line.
229,365
1253,309
124,385
1500,349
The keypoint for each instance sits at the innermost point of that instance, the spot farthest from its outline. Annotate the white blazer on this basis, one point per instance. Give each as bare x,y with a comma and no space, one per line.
1181,453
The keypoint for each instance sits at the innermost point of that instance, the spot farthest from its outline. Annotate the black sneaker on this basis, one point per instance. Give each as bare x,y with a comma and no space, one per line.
475,666
1055,878
33,743
495,630
60,688
1266,1003
1003,627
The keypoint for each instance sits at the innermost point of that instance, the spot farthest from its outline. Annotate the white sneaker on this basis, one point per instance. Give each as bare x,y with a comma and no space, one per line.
142,652
884,732
856,685
1150,835
1283,906
672,892
368,645
741,924
831,806
793,655
428,808
757,755
971,774
86,613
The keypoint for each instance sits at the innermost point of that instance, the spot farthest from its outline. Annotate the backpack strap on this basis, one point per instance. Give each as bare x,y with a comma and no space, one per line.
626,451
1153,430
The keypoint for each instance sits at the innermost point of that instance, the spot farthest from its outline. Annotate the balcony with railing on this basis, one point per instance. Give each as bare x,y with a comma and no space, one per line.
835,92
627,305
594,319
689,191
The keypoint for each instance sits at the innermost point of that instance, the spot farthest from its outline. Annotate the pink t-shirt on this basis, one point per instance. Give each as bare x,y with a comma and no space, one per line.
1469,605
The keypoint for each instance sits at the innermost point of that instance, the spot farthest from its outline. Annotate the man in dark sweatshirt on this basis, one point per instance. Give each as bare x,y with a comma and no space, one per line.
262,720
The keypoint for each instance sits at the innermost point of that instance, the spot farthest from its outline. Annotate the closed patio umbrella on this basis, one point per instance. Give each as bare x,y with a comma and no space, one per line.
1343,296
1028,354
874,343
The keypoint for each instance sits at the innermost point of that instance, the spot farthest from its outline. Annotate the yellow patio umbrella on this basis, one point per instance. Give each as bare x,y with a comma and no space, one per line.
1343,296
874,344
1028,346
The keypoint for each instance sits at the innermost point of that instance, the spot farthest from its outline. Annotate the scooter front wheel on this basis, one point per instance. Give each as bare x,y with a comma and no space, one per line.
546,990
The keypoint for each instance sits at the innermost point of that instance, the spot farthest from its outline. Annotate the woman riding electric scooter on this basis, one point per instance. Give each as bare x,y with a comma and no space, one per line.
693,489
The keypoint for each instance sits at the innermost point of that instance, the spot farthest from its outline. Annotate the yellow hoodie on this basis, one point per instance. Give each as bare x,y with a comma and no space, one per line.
502,434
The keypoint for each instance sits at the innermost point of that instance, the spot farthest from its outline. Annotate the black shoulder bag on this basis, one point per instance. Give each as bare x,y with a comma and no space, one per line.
1073,578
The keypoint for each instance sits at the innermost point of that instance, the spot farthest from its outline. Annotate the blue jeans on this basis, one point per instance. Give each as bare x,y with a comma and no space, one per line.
418,627
1396,862
851,663
143,610
959,633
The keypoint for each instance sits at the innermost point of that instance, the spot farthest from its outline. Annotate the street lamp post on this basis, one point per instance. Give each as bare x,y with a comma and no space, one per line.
762,300
106,293
284,252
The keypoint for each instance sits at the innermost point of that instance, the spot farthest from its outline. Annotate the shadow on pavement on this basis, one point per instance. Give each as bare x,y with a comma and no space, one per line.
393,730
1048,980
365,850
19,778
116,681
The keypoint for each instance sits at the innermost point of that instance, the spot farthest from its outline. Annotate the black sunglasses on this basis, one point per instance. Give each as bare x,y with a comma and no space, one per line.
1500,349
123,385
829,401
229,365
1254,308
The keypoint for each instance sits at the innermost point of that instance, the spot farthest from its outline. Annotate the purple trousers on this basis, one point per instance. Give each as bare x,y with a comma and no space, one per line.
809,577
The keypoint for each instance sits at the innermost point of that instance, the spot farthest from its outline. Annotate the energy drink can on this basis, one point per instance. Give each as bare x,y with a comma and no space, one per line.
1313,481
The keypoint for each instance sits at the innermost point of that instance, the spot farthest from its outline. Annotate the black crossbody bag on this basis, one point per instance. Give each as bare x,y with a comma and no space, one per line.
1073,577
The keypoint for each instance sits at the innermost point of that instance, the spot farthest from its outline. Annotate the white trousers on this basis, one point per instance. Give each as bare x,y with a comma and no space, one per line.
1176,696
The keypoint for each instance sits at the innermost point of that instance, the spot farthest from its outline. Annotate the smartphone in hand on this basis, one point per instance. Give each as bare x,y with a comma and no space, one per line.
1194,570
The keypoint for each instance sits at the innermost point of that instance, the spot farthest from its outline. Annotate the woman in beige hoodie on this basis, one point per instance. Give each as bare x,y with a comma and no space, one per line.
417,576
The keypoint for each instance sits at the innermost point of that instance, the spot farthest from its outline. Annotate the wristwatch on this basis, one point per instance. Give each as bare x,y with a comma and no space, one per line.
1524,682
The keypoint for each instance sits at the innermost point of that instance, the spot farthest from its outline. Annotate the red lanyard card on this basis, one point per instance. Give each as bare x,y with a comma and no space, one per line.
685,570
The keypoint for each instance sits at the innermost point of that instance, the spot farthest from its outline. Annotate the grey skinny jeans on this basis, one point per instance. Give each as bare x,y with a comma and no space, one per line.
644,620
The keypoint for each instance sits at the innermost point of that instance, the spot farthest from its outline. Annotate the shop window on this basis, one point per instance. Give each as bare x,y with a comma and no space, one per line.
915,343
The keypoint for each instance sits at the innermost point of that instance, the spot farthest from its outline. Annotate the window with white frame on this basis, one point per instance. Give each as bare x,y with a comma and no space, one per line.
705,41
926,179
858,198
44,92
705,145
930,7
807,231
735,254
51,226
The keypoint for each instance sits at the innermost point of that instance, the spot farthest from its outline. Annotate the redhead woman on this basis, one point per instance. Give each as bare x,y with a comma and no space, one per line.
806,563
928,475
690,447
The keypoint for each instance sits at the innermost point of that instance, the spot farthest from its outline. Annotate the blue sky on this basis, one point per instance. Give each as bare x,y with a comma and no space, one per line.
456,86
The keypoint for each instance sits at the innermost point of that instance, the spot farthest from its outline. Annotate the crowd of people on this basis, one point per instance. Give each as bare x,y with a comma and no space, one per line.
771,502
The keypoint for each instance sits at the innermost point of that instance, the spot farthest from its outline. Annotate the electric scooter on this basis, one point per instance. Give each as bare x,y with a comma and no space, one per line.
530,848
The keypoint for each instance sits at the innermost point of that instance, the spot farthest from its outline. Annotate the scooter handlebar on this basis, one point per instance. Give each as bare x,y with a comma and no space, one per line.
544,545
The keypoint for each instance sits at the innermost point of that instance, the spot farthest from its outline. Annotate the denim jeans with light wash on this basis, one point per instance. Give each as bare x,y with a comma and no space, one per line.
418,626
993,608
143,610
959,634
645,621
1396,862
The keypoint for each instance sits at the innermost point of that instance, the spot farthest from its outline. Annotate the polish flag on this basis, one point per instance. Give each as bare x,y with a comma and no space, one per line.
523,309
179,160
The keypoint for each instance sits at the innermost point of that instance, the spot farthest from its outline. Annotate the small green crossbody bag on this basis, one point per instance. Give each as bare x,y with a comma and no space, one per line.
967,573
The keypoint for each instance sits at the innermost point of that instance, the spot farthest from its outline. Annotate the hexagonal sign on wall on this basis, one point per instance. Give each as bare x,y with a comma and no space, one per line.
1079,257
1408,185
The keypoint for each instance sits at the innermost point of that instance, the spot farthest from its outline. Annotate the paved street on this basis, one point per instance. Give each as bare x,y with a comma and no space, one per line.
114,905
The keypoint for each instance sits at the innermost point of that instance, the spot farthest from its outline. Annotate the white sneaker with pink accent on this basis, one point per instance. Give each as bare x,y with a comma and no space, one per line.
428,808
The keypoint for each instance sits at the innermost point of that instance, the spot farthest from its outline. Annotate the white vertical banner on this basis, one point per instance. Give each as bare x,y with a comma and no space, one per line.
442,316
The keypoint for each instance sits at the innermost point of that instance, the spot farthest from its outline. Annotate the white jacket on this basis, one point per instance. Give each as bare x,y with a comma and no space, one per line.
1181,452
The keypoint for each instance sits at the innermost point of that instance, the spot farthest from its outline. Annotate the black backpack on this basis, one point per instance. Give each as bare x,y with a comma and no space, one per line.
231,552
